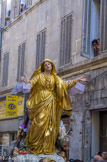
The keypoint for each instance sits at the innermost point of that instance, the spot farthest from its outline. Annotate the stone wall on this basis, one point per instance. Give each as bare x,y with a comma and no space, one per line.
93,99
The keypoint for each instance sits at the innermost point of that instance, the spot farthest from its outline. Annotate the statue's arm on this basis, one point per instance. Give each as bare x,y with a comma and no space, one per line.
72,83
34,81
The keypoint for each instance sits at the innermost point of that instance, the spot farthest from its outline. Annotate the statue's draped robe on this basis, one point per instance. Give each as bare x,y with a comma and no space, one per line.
48,96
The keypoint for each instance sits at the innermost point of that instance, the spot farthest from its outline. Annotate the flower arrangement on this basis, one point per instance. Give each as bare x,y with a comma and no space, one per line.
63,137
21,135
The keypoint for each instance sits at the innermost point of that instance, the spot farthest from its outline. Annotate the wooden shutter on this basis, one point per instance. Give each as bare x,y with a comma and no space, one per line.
43,45
65,40
3,13
62,42
68,38
5,69
37,50
13,9
40,48
19,62
22,60
103,25
86,44
17,7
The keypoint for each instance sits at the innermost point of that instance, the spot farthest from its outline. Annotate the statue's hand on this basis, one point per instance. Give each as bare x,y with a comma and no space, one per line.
84,79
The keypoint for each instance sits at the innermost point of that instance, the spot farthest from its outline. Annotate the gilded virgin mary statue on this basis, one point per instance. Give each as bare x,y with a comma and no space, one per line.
48,97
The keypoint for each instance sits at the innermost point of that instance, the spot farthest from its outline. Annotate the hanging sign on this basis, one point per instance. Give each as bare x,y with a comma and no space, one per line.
11,105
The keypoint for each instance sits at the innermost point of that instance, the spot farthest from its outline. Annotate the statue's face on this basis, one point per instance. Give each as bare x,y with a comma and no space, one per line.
47,66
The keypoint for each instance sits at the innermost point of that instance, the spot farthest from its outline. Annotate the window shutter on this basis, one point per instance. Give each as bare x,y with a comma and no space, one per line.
37,50
43,45
5,69
65,40
19,63
13,5
40,48
3,13
62,42
103,25
86,44
17,6
68,41
22,59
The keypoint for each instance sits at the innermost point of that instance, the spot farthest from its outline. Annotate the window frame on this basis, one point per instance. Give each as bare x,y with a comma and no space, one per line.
86,38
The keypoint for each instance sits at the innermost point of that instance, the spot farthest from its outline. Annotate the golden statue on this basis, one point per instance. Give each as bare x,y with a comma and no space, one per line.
48,97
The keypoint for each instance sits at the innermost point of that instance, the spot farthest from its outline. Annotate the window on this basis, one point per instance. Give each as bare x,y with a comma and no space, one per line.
5,69
24,5
40,47
8,8
4,144
94,27
65,40
21,56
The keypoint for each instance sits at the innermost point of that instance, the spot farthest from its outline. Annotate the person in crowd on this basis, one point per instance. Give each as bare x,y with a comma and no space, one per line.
21,7
96,47
97,157
104,156
46,160
63,154
77,160
48,97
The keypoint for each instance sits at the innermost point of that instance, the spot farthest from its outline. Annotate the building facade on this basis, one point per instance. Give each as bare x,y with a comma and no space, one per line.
63,31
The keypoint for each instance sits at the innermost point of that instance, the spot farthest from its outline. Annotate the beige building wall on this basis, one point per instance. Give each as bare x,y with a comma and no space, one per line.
43,15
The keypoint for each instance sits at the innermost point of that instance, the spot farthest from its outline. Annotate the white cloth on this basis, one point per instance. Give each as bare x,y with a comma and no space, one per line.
37,158
21,87
78,88
26,88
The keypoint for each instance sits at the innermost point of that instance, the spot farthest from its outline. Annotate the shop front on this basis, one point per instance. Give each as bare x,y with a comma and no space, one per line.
9,125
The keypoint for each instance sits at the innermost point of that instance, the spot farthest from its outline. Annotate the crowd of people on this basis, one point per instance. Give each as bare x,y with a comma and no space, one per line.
100,157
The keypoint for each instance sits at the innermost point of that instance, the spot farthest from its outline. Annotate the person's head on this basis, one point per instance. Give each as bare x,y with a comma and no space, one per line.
96,158
62,154
22,5
95,43
46,160
46,66
99,153
104,155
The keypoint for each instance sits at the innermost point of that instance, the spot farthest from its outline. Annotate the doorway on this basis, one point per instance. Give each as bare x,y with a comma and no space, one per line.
103,131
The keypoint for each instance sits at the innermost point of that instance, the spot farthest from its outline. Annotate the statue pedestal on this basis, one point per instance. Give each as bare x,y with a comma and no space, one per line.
37,158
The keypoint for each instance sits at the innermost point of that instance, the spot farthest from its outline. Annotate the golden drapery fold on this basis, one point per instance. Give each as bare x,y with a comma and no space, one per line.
48,97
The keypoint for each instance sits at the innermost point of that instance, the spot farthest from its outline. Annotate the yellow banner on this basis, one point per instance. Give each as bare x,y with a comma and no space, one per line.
11,105
20,108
